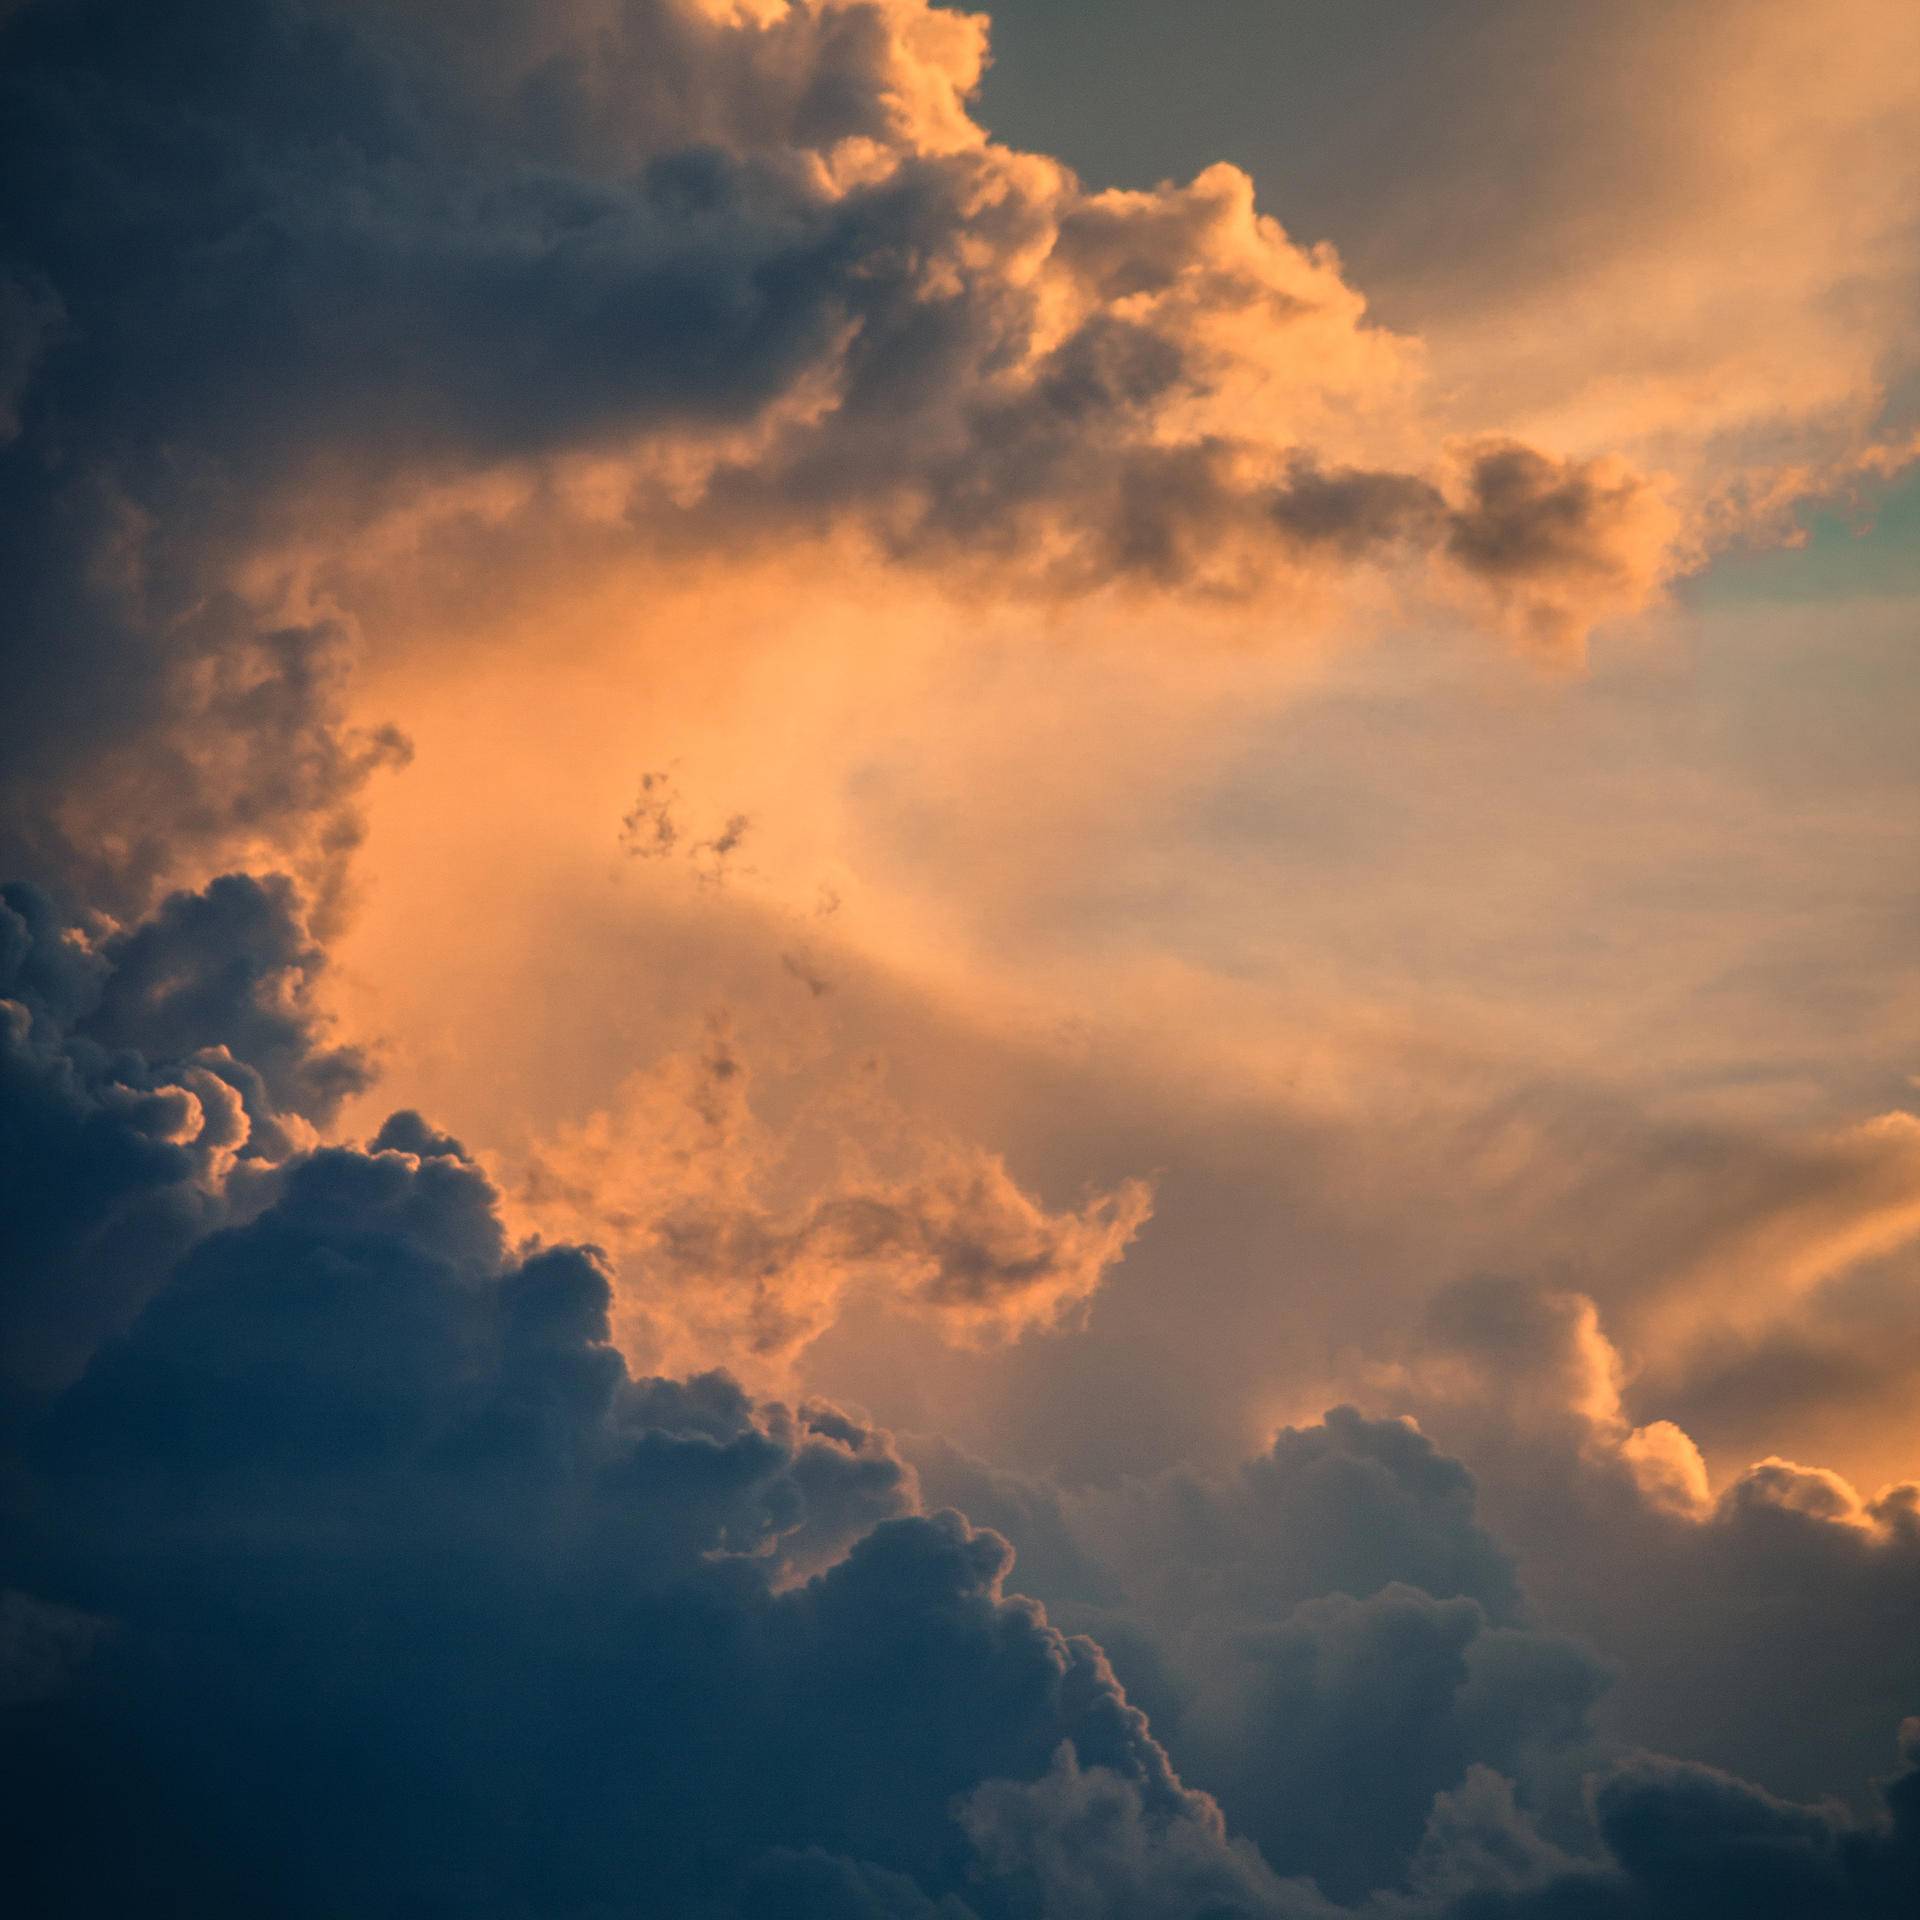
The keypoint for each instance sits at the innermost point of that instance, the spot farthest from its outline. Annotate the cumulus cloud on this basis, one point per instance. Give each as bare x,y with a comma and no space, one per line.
357,1570
1327,1637
148,1073
1678,1843
1417,1732
1756,1627
1349,1505
416,1594
1080,1843
701,274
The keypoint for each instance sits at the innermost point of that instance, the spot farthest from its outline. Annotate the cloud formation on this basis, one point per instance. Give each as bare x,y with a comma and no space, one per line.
350,1566
1327,1637
735,1238
280,274
1689,225
1756,1626
381,1531
147,1075
413,1588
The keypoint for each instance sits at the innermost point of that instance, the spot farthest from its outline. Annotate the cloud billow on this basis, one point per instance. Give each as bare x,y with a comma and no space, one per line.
356,1570
149,1076
273,274
415,1595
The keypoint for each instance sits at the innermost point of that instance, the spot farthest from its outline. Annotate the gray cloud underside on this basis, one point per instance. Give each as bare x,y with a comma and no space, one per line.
348,1568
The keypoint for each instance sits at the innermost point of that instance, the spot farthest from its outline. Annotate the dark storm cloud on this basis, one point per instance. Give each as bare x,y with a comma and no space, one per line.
41,1647
1327,1638
812,1884
1677,1843
357,1573
1082,1844
251,262
1695,1841
151,723
419,1601
1372,1741
1349,1506
1327,1735
230,967
1687,1843
142,1071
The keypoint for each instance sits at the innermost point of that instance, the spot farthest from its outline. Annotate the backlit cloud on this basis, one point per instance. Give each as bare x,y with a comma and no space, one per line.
531,532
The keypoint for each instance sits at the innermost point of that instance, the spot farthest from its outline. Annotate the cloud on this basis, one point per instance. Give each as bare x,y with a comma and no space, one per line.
286,277
233,967
1754,1627
1696,1841
378,1541
1679,1843
148,1075
41,1647
1684,1841
1556,541
1081,1844
1350,1505
357,1568
812,1884
1834,1367
417,1595
654,828
650,829
1372,1736
1623,227
1326,1734
1326,1638
732,1236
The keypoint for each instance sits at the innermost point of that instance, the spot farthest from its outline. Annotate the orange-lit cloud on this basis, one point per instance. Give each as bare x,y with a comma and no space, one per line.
639,519
735,1241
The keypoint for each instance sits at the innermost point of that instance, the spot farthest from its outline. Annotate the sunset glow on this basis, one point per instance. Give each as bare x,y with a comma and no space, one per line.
960,969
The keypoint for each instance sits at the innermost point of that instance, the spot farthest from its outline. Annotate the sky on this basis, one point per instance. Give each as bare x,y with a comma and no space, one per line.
960,969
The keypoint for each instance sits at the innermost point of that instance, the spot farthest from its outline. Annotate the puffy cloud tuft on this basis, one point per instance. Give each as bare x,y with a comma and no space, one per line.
729,1238
149,1076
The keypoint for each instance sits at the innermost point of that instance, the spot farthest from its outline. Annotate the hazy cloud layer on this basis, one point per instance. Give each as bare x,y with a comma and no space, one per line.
1688,225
